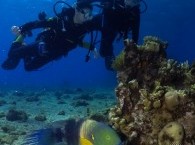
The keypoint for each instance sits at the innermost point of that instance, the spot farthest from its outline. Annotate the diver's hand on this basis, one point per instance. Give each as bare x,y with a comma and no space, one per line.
16,30
95,53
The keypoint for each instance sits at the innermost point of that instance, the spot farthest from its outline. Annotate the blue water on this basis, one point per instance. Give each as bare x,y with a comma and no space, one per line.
172,21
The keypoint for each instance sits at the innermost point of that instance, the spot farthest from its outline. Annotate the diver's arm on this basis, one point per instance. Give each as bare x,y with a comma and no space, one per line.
38,24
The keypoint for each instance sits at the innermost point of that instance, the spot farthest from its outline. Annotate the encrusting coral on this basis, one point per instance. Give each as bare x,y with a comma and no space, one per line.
156,96
172,133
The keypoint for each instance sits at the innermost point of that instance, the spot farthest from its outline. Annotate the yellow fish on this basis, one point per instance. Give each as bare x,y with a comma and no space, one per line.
97,133
84,141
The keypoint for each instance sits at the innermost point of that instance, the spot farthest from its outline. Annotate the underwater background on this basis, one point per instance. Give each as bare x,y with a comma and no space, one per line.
172,21
71,77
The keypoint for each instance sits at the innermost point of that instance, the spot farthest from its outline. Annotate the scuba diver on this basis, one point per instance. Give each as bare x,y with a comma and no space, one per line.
74,132
64,32
61,34
119,17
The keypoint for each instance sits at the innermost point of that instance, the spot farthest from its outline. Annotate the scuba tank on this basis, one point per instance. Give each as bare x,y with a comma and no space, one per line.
132,3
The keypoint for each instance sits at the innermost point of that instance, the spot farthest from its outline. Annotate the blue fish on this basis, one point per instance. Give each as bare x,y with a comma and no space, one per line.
40,137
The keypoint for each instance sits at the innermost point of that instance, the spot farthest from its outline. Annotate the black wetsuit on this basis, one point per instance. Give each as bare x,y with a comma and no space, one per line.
59,37
117,19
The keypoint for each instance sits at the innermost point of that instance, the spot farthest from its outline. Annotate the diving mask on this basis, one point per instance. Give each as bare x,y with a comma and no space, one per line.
87,13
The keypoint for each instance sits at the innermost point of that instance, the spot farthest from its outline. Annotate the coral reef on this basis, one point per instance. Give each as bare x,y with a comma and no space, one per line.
156,96
172,133
119,61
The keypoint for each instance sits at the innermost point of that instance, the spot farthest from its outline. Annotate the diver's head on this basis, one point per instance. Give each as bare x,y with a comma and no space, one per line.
83,12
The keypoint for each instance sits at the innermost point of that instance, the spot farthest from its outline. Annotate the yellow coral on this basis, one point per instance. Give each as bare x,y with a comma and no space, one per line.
172,133
159,120
147,104
171,100
119,61
156,104
152,46
133,84
156,40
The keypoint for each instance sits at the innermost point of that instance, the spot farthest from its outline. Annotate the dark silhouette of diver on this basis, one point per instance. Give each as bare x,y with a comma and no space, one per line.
119,17
61,34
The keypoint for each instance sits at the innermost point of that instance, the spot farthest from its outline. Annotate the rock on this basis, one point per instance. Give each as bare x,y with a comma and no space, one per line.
40,118
18,93
61,113
8,129
14,115
58,94
2,114
8,139
79,90
61,102
32,99
2,102
80,103
84,97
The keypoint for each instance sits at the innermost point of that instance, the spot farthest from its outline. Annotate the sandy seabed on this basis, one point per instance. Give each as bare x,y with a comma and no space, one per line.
42,107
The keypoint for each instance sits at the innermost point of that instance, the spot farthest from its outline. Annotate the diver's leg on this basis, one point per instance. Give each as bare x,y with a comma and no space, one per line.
17,52
32,64
135,23
106,47
12,61
108,36
26,50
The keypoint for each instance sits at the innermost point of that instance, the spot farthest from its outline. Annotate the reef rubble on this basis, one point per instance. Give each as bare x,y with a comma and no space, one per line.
156,96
